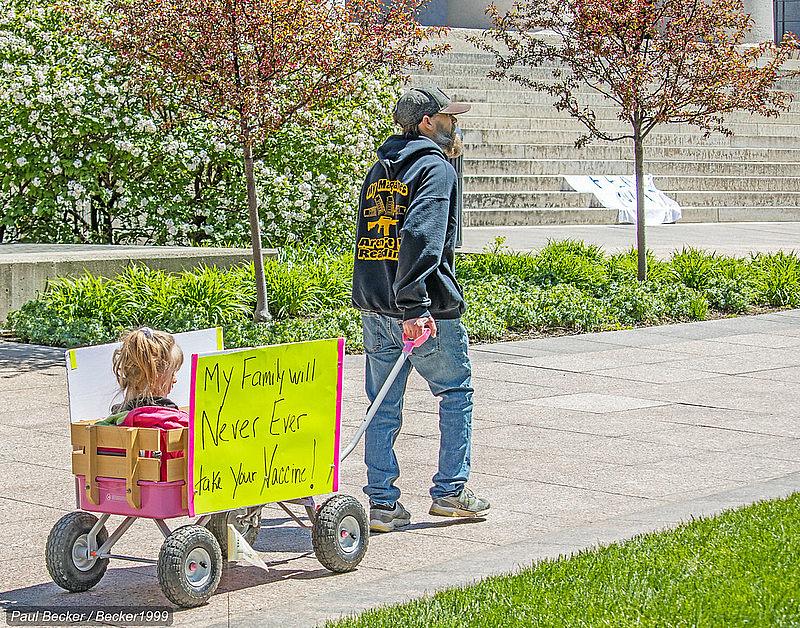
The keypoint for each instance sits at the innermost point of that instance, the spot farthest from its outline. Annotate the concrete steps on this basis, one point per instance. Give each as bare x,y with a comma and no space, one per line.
557,182
550,136
519,167
624,150
480,199
518,148
452,78
537,216
755,127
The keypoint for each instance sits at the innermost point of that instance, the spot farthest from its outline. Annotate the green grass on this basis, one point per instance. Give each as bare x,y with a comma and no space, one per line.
741,568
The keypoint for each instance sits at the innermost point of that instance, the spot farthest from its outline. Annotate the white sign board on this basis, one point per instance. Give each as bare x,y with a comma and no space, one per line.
93,389
619,192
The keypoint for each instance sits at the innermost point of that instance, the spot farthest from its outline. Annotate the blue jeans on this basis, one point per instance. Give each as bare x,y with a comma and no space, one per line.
444,363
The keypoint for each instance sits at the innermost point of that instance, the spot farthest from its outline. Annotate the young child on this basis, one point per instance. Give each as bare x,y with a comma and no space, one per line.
145,367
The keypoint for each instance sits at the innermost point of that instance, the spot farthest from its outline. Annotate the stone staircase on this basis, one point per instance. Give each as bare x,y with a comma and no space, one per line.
519,148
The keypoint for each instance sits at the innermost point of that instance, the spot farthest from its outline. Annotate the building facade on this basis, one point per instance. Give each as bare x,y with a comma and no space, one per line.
772,17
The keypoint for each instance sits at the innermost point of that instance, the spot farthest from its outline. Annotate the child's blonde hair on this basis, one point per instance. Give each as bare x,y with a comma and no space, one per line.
145,363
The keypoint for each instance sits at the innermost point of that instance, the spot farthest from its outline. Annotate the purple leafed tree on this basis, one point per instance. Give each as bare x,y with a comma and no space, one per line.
655,61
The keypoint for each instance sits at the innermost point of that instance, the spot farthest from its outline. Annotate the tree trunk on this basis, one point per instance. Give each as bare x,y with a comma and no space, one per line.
261,313
641,246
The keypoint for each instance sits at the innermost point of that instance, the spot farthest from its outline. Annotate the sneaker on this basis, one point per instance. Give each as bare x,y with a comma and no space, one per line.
465,504
388,518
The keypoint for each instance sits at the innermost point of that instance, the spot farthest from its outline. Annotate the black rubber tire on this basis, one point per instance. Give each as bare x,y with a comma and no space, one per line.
58,553
218,526
325,534
172,558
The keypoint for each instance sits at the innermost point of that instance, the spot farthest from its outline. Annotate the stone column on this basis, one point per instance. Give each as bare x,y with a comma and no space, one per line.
434,13
763,12
472,13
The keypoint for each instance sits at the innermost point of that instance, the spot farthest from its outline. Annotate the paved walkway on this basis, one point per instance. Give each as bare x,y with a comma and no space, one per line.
578,440
738,239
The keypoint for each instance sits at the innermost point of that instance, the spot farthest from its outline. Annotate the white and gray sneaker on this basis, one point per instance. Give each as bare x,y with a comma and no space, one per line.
388,518
465,504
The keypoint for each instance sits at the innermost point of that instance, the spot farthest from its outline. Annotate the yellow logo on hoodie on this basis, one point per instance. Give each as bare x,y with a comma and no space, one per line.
386,212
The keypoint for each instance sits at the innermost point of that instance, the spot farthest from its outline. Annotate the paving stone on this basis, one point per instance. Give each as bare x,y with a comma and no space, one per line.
609,424
33,447
698,347
748,362
566,503
595,402
786,425
565,344
567,468
655,373
625,451
486,389
789,374
773,341
776,447
730,392
597,360
661,479
528,439
497,351
729,467
649,337
698,414
707,438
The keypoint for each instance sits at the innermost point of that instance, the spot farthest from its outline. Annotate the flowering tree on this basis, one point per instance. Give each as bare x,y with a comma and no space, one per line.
657,61
254,65
83,160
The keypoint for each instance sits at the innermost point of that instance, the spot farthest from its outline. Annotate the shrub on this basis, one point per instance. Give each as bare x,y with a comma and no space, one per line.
682,303
635,303
623,267
310,296
777,278
729,295
566,307
694,268
479,267
573,263
40,323
344,322
496,306
483,325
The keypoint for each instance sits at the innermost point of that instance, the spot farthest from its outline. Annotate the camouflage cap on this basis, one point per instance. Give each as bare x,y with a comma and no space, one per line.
419,102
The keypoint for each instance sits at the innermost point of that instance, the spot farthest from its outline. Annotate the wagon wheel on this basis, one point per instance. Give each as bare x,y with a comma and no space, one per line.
340,534
189,566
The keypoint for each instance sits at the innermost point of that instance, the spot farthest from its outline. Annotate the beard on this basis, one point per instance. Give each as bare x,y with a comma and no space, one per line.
452,144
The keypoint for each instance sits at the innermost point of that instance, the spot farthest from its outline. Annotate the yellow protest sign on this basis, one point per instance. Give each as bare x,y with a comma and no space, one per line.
264,424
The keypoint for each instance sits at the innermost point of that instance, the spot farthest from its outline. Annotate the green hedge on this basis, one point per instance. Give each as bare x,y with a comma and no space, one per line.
567,287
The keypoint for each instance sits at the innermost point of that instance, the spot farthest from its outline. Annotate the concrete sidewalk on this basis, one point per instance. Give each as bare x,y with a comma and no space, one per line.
739,239
578,440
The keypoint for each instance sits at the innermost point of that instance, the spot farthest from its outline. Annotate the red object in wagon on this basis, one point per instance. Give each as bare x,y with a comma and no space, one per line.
160,417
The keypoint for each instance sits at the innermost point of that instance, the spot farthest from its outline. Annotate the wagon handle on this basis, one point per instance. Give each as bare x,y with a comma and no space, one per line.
408,346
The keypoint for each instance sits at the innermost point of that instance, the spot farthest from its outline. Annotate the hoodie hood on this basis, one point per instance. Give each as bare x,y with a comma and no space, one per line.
397,151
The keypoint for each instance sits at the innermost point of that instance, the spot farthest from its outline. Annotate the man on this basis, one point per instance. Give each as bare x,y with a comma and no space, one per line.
404,283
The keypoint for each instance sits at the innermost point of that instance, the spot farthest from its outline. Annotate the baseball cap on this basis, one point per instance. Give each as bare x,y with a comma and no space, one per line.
419,102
